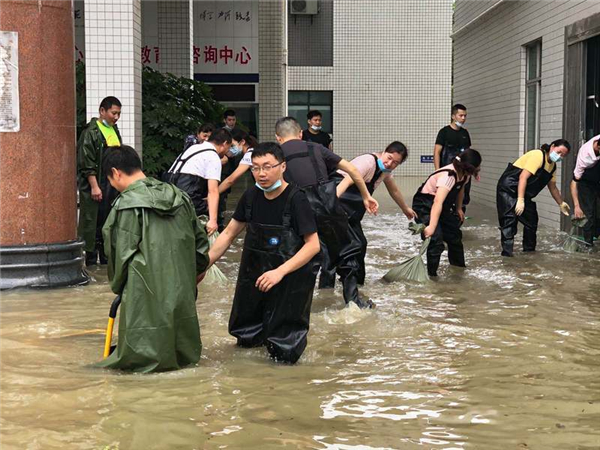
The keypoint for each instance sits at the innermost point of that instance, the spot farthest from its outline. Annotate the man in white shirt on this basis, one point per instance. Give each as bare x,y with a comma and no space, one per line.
197,171
585,188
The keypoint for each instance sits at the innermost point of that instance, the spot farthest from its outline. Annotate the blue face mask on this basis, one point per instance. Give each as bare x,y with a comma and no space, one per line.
555,157
271,188
234,150
382,167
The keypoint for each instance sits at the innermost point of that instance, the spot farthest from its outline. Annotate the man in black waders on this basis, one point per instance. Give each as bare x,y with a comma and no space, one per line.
197,172
451,141
308,166
274,290
520,183
585,188
375,168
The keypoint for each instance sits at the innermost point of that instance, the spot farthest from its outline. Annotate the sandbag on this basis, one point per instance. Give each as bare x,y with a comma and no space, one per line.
575,243
214,275
412,269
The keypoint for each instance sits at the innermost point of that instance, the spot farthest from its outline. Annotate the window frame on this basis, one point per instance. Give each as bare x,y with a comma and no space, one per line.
313,105
537,83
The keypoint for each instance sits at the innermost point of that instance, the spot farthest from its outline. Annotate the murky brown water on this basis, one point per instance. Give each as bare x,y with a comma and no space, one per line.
502,355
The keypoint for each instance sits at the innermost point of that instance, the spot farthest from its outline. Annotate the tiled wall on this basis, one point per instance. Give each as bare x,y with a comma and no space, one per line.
175,37
113,63
489,80
272,91
391,77
310,38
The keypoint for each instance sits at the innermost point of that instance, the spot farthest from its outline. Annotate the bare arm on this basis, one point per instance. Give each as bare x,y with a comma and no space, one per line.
231,179
370,203
555,192
343,186
396,195
310,248
437,156
213,206
525,174
576,206
224,240
436,210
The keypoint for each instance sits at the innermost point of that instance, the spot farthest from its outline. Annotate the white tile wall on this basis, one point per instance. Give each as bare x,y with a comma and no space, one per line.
391,77
489,80
113,62
175,37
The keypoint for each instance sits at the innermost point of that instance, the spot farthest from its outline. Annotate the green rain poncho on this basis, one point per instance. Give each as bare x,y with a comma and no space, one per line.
155,249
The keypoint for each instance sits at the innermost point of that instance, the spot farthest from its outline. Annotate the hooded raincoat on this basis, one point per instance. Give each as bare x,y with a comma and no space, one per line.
155,249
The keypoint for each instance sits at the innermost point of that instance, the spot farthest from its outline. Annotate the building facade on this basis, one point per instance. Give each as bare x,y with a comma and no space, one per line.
528,72
379,71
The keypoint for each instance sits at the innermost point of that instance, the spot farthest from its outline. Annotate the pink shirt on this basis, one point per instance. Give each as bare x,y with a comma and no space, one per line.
586,157
437,180
366,166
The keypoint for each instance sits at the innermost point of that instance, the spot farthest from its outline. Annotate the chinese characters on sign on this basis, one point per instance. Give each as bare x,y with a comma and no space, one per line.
207,15
150,55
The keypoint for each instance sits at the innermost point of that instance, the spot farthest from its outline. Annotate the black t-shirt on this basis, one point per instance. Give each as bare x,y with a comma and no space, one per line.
320,138
449,137
300,170
270,212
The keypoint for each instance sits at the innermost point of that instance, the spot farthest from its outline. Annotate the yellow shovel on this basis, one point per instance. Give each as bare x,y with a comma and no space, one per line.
111,322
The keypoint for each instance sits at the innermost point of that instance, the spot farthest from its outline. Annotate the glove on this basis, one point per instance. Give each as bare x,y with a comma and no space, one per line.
520,206
565,209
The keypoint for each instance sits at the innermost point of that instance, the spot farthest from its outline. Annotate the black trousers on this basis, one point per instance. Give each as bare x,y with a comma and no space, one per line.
508,220
589,200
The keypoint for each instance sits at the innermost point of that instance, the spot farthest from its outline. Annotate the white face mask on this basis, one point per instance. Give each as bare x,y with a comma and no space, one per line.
316,128
459,124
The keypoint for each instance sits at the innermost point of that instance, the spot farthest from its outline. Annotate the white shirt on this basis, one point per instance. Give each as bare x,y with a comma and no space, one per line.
247,159
206,164
586,157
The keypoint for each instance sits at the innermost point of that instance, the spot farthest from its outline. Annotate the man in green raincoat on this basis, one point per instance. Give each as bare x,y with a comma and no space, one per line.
156,250
95,193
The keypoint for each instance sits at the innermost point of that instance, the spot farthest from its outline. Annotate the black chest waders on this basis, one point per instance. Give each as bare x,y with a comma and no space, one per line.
332,221
448,229
193,185
278,319
449,152
351,267
506,201
588,193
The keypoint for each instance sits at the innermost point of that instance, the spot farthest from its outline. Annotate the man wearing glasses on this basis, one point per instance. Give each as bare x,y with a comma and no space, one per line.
274,291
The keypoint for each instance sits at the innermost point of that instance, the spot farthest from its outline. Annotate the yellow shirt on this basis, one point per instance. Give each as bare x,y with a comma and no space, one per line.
109,133
534,160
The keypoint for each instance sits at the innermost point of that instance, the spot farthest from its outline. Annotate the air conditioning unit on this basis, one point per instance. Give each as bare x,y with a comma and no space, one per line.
305,7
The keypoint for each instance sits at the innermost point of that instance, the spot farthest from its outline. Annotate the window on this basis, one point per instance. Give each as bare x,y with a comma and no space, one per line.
533,86
300,102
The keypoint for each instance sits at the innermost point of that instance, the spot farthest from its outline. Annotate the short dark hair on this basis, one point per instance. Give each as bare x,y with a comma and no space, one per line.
556,143
220,136
228,113
456,107
123,158
109,102
397,147
314,113
240,135
268,148
206,128
468,161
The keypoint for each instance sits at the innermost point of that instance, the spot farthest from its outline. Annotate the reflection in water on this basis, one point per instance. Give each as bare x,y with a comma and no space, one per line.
502,355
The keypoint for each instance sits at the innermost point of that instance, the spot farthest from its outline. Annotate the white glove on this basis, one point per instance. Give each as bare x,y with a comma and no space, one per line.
565,209
520,206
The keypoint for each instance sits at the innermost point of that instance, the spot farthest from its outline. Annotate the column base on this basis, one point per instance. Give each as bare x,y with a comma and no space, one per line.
42,265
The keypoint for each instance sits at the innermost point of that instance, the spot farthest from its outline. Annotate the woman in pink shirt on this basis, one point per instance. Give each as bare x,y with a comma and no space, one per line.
438,204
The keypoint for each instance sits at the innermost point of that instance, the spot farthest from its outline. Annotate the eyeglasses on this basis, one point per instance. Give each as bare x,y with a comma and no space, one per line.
266,168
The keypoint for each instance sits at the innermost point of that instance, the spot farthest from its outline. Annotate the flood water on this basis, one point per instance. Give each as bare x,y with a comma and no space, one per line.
502,355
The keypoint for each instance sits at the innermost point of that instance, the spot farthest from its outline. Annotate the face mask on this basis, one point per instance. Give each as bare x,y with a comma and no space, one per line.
234,150
106,124
382,167
271,188
459,124
555,157
316,128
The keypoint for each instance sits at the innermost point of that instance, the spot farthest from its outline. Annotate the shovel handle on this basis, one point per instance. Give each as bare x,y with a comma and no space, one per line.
111,321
